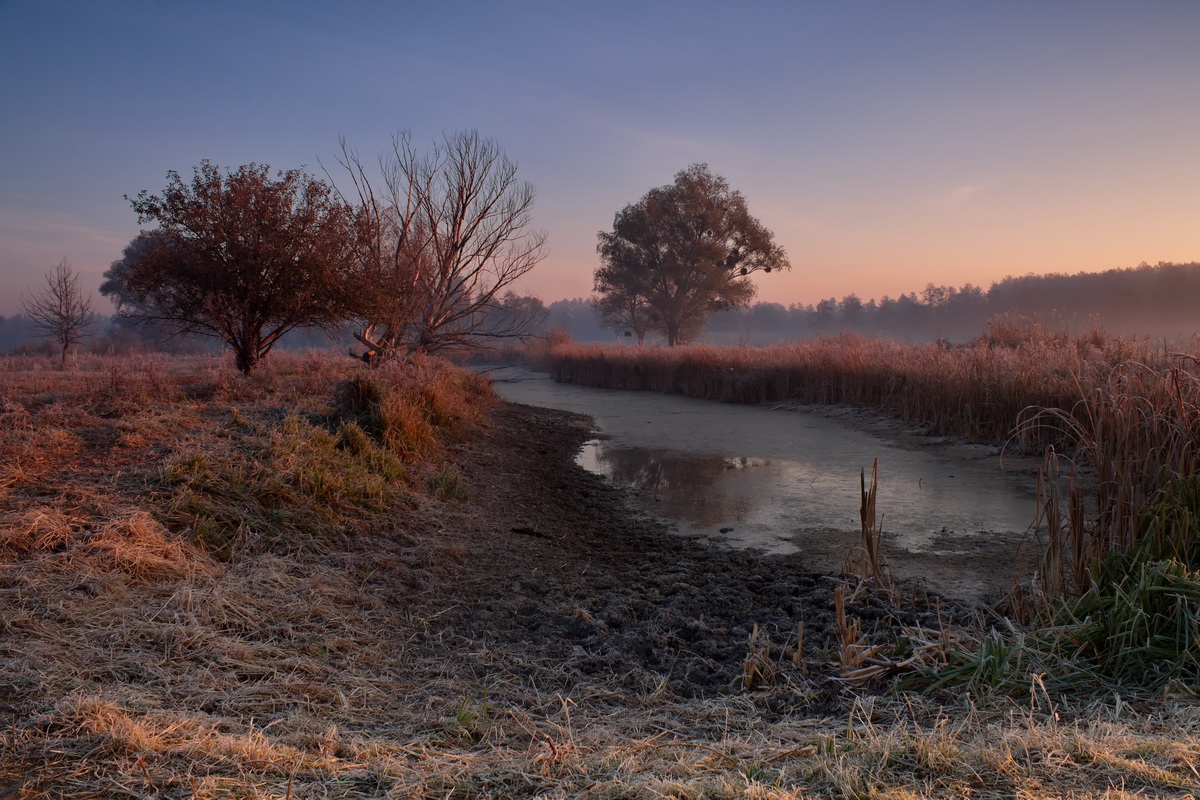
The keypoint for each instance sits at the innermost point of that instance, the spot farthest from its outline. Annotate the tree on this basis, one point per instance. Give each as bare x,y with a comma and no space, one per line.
683,251
137,319
626,312
60,312
240,256
852,311
449,233
825,310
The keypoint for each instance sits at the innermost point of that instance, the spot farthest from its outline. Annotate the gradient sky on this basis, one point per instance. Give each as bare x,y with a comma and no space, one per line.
887,144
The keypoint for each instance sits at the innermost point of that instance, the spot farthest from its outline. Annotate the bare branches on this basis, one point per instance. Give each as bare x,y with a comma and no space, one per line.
60,312
450,234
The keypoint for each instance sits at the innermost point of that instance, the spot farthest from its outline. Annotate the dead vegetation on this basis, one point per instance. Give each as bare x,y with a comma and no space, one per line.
220,587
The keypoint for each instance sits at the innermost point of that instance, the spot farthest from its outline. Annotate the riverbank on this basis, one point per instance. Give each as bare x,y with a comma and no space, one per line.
784,478
489,621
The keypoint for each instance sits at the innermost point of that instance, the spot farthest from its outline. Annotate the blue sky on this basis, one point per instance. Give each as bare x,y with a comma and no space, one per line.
887,144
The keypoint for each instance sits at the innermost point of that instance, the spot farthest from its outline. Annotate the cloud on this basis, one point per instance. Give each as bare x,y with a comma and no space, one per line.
32,240
965,194
31,231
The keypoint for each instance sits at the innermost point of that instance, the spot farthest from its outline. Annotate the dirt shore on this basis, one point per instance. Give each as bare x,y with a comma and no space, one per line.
561,581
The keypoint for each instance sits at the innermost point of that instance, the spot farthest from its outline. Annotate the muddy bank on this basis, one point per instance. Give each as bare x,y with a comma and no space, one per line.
784,478
561,583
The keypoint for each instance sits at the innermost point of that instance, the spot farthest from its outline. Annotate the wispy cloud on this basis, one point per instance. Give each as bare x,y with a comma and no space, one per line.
965,193
32,240
26,229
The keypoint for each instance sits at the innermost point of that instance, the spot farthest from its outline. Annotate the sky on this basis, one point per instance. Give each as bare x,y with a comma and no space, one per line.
888,144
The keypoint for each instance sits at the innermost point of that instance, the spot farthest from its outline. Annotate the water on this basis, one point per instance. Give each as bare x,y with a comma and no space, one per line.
787,482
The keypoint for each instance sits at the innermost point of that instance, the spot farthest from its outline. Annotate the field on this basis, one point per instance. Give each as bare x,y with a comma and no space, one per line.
328,581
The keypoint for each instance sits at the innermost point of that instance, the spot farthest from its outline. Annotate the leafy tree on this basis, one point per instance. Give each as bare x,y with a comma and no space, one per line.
825,310
683,251
60,312
626,312
135,321
240,256
449,234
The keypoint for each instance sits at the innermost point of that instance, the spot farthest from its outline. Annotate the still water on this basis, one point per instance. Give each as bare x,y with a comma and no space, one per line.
784,481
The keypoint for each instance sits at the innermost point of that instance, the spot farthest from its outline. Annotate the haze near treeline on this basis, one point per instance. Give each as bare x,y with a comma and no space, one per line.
887,146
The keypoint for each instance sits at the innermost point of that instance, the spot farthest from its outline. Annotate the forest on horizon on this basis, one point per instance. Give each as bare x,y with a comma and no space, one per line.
1159,301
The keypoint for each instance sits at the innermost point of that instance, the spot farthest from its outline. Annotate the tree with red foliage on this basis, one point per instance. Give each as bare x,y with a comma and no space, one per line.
241,256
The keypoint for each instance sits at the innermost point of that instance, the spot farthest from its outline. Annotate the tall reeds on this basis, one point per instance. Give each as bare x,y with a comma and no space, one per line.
1117,597
1116,601
975,391
1138,436
1121,574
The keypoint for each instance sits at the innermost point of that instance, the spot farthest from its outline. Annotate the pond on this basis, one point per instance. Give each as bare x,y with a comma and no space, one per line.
783,481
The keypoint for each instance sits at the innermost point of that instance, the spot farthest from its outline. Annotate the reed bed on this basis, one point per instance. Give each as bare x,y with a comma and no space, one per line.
1138,434
975,391
1116,601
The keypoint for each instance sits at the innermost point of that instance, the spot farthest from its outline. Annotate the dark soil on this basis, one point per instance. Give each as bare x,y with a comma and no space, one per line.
561,583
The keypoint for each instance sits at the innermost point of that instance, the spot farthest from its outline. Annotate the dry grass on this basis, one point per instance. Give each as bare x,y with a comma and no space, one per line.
975,391
210,588
1118,593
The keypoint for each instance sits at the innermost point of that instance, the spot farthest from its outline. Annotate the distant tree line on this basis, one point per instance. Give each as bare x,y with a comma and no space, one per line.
1160,300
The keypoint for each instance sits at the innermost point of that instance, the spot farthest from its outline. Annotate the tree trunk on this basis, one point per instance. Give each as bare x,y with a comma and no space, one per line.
246,358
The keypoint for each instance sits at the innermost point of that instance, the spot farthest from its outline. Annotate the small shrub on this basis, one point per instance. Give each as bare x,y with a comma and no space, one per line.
447,484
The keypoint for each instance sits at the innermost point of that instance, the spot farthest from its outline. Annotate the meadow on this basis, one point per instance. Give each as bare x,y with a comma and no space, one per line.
329,581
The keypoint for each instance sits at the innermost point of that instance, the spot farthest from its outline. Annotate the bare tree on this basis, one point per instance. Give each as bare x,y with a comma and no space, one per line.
60,312
449,234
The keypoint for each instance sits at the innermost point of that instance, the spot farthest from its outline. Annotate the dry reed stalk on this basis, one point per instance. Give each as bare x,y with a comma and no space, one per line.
865,560
854,649
975,391
758,669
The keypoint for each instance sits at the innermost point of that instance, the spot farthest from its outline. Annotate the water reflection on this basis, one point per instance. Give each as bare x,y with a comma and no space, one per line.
783,481
688,488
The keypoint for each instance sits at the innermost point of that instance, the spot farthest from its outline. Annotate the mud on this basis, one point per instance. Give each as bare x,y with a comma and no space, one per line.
784,478
561,582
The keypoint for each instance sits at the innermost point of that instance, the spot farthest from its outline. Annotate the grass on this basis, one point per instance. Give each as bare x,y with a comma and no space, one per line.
210,588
